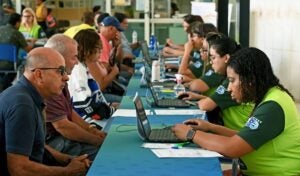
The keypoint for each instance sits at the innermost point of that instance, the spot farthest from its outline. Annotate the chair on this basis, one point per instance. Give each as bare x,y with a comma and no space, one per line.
8,56
62,25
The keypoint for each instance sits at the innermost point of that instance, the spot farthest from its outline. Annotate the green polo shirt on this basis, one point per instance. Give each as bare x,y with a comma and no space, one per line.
234,115
274,132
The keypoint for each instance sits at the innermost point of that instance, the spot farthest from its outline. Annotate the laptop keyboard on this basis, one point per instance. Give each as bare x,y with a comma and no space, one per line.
163,135
172,103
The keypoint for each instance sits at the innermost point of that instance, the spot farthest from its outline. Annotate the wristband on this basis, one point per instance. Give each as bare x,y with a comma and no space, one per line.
190,135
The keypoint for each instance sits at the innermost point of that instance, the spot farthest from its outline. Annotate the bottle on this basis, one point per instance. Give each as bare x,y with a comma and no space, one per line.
179,87
134,36
152,42
161,65
152,45
155,72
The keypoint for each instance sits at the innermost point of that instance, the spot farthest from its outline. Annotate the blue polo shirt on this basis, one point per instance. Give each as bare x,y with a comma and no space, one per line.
22,125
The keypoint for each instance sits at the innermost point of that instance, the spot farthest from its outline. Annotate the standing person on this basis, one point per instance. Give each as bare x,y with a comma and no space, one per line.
41,13
22,129
269,143
64,125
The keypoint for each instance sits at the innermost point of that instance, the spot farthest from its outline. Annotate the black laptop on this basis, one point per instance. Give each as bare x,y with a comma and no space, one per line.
164,135
146,55
167,102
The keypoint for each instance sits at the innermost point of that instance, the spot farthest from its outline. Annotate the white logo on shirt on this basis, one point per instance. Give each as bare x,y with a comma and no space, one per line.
221,90
253,123
209,72
197,64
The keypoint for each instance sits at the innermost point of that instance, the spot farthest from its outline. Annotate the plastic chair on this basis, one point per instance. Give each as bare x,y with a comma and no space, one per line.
8,53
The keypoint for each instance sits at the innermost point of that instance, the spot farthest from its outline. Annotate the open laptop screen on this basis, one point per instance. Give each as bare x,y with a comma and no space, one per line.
144,127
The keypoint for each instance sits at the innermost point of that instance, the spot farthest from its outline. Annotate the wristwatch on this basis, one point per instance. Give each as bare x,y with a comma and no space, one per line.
190,135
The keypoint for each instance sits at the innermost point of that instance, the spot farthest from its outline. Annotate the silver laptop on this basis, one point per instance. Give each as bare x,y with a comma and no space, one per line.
164,135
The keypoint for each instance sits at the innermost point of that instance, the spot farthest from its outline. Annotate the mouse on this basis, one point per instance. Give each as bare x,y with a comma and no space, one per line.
183,96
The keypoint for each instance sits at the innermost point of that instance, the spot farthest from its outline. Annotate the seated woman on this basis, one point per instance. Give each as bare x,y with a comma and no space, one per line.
174,50
88,99
29,27
268,143
220,107
207,83
192,65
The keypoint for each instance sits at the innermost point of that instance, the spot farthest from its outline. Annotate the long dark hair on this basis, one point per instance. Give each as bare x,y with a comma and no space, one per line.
88,41
255,73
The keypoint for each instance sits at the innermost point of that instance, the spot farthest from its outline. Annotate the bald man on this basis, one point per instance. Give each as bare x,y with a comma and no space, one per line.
22,124
63,122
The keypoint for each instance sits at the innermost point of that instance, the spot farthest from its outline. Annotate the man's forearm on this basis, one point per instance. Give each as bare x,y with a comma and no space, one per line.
62,158
21,165
72,131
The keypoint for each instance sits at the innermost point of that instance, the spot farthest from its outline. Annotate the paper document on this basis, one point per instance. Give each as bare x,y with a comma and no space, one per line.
184,153
158,145
132,112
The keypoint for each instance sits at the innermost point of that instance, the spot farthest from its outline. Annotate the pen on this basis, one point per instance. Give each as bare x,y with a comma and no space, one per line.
180,145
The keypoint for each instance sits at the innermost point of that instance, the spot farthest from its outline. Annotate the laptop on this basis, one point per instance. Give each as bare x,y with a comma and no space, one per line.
167,103
164,135
145,51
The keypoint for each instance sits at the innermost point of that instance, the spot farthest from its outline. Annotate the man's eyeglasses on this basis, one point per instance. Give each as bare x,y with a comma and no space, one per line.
61,69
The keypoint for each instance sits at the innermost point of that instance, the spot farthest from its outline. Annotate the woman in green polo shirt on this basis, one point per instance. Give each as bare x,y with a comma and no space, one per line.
220,107
269,143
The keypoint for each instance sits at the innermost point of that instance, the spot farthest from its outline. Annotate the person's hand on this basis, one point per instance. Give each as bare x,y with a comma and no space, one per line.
190,95
169,42
181,130
115,69
97,132
198,124
117,39
115,105
78,165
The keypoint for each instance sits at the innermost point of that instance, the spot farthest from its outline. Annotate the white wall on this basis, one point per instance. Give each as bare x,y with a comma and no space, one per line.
275,29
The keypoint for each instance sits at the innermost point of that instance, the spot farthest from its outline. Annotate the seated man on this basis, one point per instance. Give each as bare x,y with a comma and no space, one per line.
64,125
9,34
127,47
22,129
87,23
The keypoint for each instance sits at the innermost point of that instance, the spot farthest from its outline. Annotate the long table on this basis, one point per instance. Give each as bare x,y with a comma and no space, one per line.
122,154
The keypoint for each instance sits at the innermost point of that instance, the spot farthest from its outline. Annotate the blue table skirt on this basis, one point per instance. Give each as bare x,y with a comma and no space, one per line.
121,155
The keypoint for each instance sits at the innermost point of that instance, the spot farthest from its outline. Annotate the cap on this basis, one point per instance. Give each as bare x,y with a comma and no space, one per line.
112,21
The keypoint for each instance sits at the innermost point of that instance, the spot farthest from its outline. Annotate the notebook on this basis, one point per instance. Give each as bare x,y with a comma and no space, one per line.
167,103
164,135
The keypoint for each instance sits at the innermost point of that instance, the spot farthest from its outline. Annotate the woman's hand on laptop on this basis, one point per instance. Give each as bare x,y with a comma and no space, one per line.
181,130
198,124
